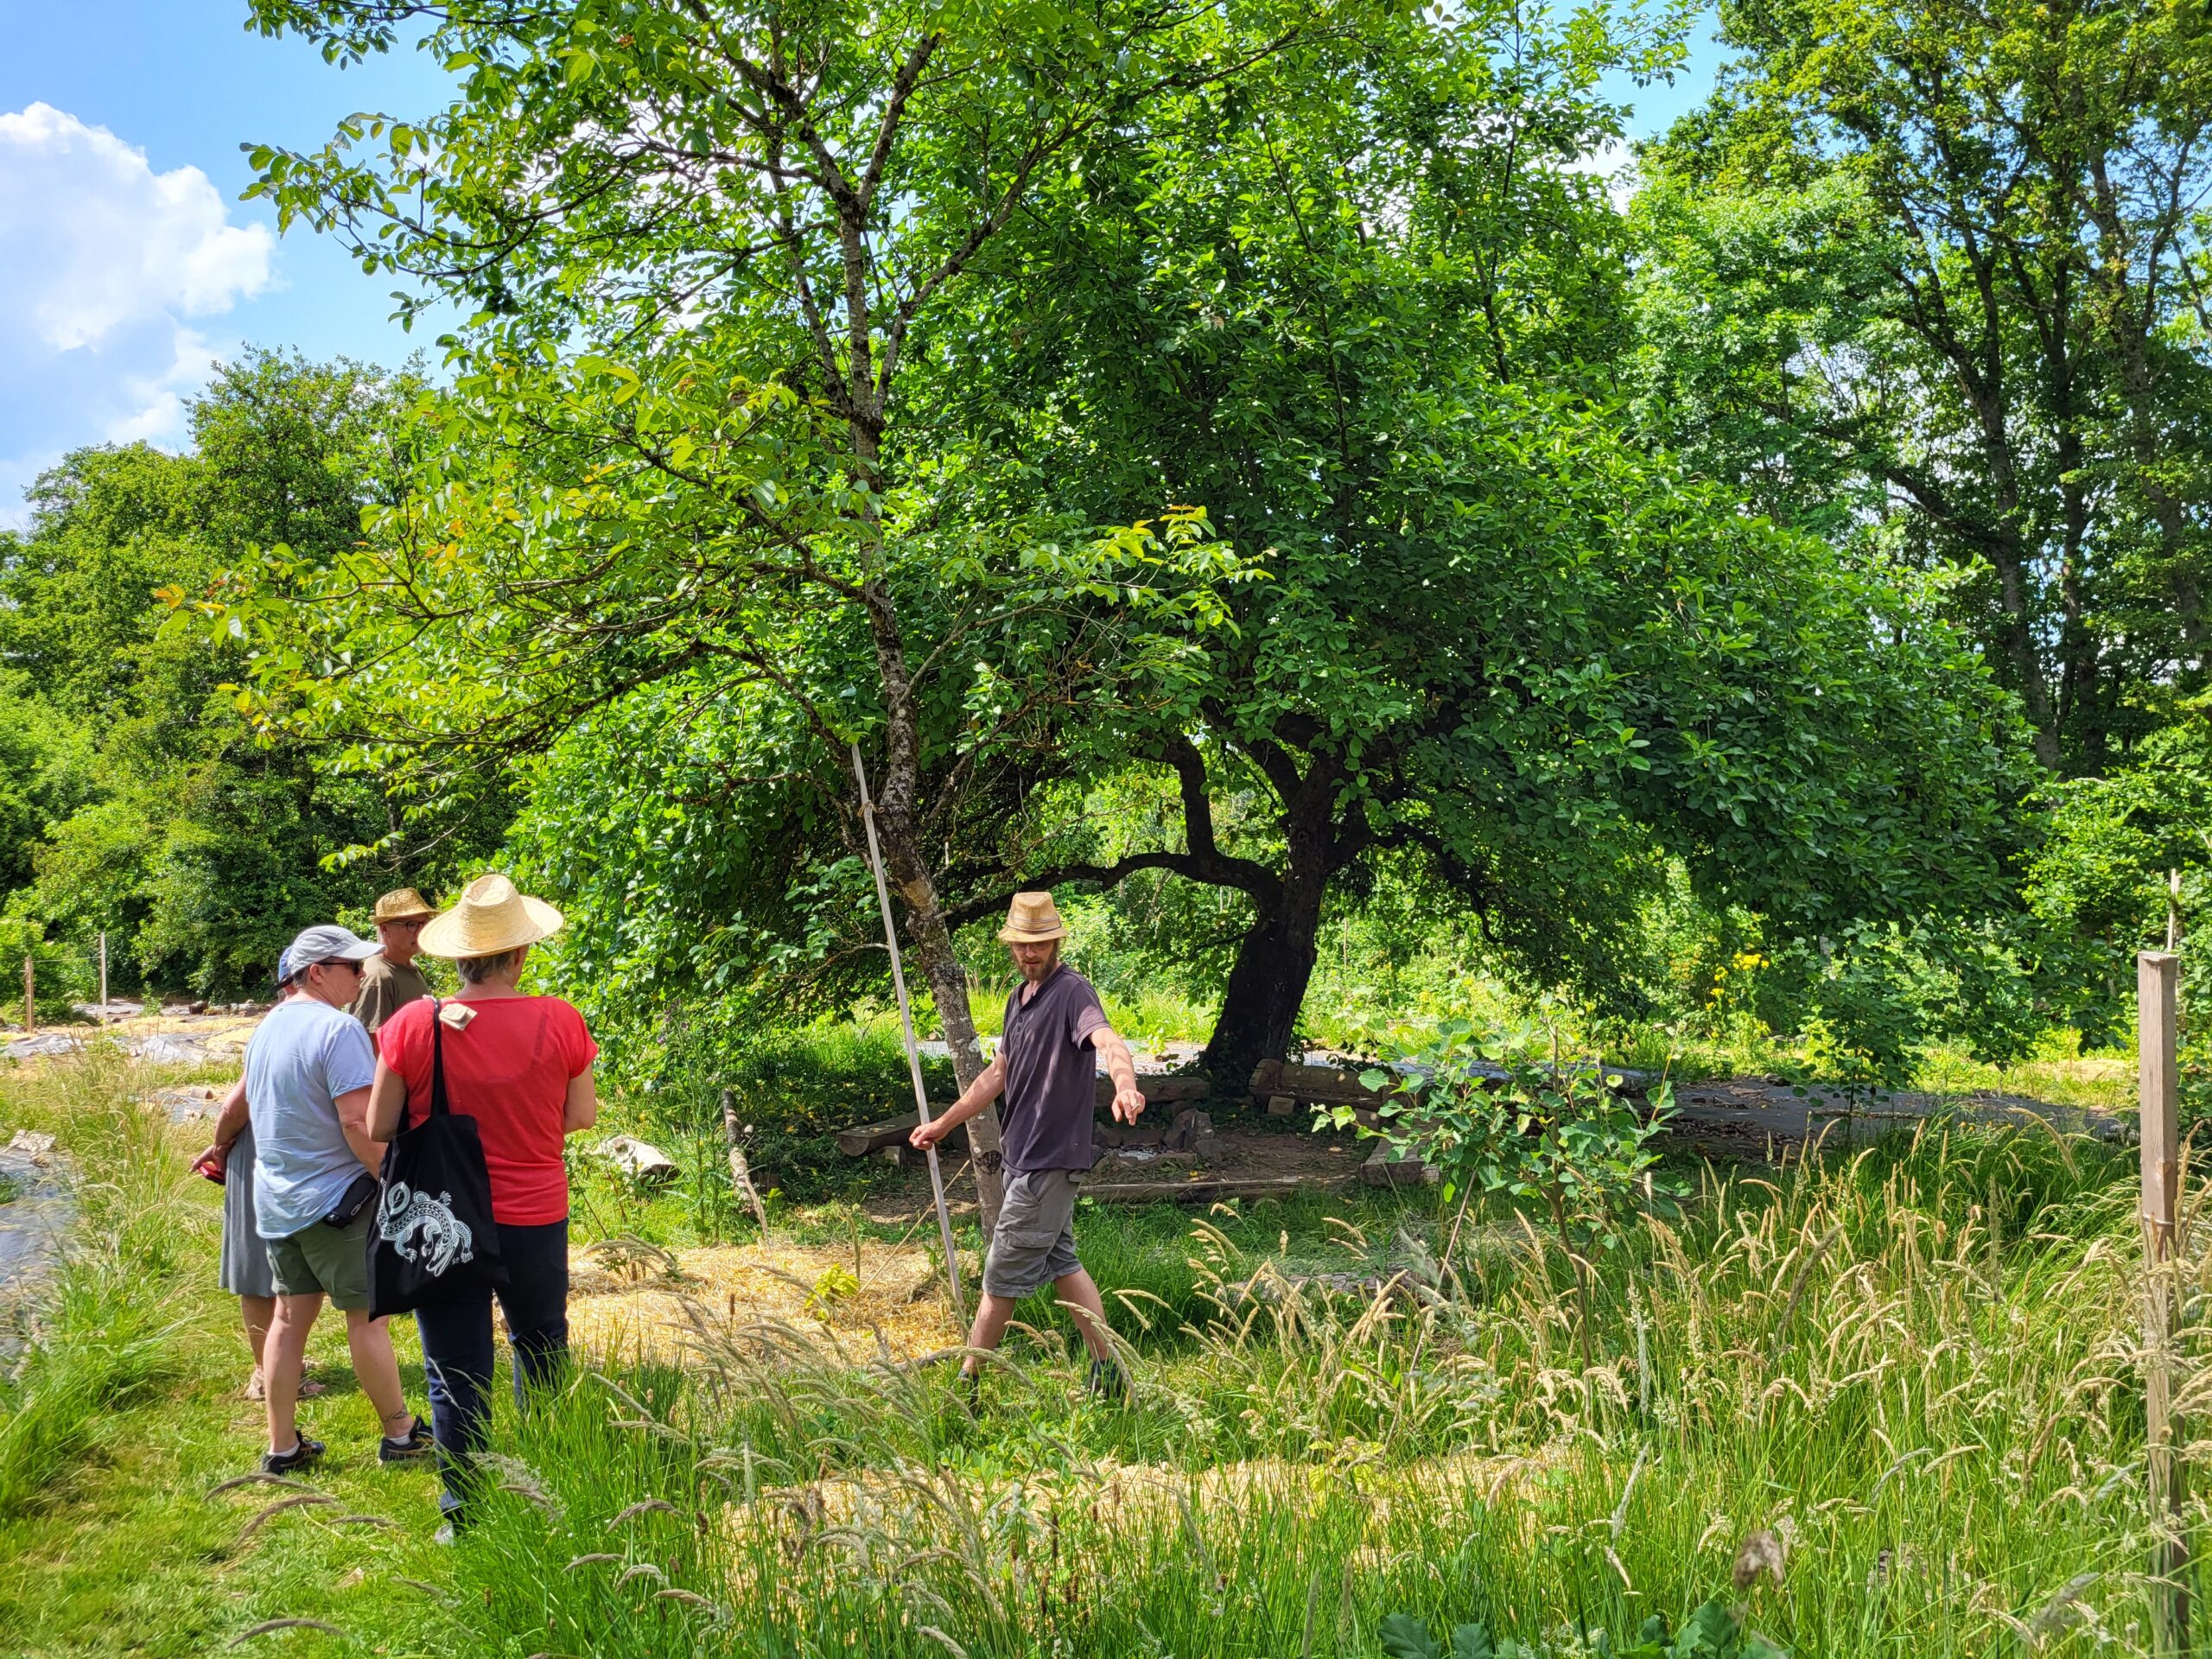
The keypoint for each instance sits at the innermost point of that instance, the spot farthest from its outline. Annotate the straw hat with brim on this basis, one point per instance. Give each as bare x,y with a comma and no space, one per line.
1033,918
403,906
489,918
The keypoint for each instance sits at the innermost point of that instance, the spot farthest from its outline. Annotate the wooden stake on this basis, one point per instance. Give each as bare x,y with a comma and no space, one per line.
913,1048
102,973
30,996
2158,1116
740,1172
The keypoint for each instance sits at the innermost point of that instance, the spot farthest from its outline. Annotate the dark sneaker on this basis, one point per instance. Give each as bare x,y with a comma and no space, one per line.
284,1463
1106,1380
416,1444
968,1389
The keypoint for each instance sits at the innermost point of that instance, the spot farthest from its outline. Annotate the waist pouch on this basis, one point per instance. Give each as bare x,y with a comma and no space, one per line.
358,1198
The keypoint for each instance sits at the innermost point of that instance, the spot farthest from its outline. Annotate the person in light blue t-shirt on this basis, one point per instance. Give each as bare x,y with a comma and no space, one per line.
307,1072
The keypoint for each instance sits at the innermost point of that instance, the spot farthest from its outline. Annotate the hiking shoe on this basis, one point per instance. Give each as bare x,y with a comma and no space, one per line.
415,1443
284,1463
1108,1381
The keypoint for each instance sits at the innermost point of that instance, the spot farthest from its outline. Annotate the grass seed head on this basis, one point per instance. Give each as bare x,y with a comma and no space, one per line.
1761,1553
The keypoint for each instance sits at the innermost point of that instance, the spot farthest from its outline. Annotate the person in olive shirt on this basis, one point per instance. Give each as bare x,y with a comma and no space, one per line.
1054,1027
389,980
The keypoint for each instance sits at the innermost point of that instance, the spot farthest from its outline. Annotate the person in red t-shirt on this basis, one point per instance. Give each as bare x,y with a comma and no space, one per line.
521,1067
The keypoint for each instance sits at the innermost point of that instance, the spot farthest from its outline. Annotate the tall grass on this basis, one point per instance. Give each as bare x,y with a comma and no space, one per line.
1914,1367
99,1334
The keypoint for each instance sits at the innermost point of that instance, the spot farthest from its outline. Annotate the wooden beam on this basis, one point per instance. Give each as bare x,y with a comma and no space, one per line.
2157,1099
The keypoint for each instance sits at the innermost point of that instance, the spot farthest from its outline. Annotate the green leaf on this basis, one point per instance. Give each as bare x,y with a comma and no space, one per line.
1404,1637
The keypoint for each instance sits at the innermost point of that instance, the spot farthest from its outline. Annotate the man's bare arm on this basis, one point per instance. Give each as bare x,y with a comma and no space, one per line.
1121,1066
977,1095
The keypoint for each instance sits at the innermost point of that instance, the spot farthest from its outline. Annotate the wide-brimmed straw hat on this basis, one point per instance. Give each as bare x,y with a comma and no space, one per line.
490,917
1033,918
403,906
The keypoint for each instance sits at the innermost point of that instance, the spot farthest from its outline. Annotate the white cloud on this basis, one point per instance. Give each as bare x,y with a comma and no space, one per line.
92,238
106,269
155,402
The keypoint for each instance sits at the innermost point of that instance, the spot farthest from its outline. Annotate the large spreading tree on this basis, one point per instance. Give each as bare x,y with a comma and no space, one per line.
809,346
1365,311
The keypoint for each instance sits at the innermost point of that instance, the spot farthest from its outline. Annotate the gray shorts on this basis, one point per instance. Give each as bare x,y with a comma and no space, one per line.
332,1260
1035,1241
243,1268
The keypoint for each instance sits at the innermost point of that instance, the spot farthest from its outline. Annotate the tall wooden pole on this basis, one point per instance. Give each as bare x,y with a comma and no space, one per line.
30,995
2158,1091
913,1048
102,973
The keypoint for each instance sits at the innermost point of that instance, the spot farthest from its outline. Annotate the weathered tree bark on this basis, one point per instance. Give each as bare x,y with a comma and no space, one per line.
1274,959
1266,989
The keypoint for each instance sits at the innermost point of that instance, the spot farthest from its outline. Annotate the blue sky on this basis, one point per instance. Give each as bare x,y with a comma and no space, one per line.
128,265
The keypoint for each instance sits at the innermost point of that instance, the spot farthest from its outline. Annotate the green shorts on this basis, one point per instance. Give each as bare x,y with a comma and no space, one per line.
333,1260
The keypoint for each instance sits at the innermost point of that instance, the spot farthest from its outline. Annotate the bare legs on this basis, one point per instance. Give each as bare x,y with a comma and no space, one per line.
285,1352
257,1312
281,1357
378,1370
1075,1293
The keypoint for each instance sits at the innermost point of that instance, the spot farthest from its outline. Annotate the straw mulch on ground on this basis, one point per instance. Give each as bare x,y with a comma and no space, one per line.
633,1301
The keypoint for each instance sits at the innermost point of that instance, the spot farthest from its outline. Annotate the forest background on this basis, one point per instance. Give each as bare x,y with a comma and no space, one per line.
1235,467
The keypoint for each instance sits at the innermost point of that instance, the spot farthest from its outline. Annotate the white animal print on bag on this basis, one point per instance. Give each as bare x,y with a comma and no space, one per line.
444,1239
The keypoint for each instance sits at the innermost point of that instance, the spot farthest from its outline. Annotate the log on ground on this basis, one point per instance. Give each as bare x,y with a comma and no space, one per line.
1206,1190
864,1138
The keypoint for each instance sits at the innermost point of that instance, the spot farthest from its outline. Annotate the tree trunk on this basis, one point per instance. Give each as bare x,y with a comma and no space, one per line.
1267,982
1259,1013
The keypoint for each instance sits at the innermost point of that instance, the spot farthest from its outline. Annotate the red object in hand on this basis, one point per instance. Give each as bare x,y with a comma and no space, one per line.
210,1165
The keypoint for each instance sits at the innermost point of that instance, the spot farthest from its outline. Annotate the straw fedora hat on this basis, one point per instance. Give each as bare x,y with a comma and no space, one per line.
1033,918
403,906
490,917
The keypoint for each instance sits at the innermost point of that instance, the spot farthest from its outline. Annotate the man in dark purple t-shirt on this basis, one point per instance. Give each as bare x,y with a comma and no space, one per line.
1054,1025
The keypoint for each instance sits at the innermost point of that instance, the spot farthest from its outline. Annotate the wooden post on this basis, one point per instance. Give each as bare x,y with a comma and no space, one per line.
740,1172
30,996
2158,1116
103,976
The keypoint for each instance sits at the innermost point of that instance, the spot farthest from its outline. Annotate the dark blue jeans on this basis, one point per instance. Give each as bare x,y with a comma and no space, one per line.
457,1347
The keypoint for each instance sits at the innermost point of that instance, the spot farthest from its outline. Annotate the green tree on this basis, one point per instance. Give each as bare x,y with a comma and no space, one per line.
168,821
1356,305
705,246
1932,278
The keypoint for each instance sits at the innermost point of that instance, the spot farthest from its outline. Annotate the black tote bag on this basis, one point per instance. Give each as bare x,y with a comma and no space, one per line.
434,1232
